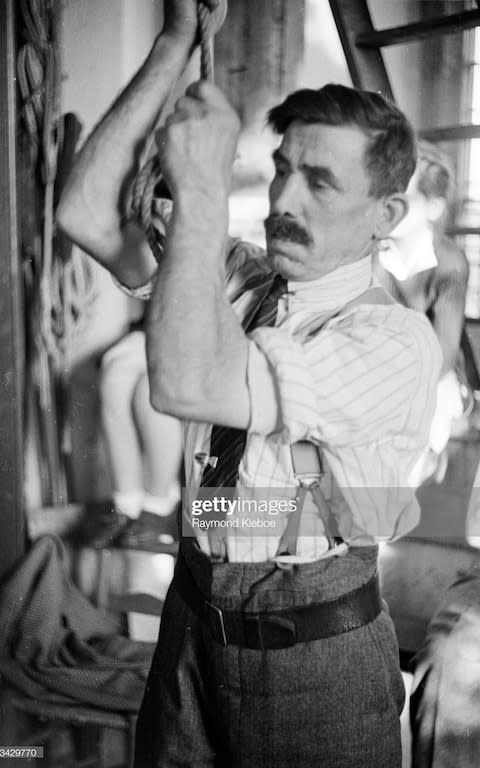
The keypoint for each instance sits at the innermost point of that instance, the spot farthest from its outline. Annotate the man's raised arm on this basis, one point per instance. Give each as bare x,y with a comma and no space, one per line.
93,209
196,349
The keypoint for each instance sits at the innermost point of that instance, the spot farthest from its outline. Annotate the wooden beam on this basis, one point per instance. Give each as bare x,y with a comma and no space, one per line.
462,231
420,30
366,66
451,133
12,544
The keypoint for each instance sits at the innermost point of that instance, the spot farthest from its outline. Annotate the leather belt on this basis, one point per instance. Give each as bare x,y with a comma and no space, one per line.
283,628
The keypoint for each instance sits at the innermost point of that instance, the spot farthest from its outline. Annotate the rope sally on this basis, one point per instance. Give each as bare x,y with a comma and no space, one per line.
150,173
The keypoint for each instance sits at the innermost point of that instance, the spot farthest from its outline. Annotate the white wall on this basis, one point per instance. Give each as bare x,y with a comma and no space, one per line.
323,58
103,42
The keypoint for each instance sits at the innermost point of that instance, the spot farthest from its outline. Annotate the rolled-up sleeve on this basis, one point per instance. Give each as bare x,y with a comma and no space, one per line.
354,381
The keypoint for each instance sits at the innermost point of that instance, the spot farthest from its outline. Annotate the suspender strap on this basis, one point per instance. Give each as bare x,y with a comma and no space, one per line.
324,511
308,471
289,539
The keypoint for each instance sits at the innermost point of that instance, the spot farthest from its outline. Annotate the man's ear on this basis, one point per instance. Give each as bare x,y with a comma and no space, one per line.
391,211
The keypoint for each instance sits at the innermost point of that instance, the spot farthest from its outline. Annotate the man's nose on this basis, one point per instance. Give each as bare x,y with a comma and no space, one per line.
286,196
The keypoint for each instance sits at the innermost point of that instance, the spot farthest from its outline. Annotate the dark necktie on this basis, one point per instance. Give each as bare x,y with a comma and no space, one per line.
228,443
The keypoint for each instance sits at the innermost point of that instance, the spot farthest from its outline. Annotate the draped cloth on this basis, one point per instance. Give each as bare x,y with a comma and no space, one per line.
57,647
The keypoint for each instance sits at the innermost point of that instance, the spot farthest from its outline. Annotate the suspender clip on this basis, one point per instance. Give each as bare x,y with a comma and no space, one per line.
307,464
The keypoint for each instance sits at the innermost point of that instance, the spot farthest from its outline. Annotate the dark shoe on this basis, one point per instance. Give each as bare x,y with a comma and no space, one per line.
151,533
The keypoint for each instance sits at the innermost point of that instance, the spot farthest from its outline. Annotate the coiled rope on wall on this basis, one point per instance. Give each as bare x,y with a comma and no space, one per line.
58,281
150,174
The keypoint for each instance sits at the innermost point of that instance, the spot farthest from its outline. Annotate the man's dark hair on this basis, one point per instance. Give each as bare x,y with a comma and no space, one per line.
390,156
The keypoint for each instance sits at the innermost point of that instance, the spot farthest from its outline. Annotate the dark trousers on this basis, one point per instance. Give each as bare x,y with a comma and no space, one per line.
332,703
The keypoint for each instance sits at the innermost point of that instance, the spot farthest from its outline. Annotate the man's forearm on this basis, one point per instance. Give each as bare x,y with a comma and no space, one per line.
195,344
93,205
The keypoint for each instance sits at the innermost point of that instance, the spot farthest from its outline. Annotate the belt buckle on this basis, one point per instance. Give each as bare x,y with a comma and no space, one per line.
269,632
219,619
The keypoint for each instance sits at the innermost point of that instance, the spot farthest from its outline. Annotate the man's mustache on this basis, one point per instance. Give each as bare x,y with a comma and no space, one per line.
285,228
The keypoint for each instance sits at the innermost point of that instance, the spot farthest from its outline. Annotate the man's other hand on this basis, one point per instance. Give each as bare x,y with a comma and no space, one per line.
197,144
181,17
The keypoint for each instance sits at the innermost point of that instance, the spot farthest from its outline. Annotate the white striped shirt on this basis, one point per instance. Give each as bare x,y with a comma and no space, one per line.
360,384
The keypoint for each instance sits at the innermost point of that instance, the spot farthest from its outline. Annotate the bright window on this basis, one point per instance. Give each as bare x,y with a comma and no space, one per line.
470,213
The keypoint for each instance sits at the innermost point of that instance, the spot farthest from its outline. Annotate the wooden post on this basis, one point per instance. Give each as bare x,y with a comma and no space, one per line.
12,543
258,52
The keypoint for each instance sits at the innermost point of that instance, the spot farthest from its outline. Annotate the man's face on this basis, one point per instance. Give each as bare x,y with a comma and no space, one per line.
321,214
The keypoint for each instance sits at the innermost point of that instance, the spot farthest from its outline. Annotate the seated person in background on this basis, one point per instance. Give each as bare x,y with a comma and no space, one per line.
426,271
144,450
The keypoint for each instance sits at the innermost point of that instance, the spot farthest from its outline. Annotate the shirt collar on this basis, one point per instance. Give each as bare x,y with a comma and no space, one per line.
334,289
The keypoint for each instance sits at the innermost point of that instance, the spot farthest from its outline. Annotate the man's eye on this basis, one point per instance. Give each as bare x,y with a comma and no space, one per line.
317,184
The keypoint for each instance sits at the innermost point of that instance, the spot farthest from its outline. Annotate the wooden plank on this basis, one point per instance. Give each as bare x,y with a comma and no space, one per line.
420,30
462,231
11,334
451,133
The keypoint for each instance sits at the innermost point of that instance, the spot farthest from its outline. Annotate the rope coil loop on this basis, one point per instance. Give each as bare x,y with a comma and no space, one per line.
150,174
